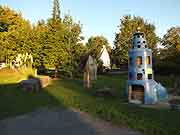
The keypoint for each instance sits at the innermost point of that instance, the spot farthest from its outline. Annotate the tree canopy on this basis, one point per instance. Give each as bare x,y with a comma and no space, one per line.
168,60
128,25
52,43
171,40
95,44
57,42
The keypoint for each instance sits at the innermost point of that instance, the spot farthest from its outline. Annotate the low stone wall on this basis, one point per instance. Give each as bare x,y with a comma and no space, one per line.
30,85
35,84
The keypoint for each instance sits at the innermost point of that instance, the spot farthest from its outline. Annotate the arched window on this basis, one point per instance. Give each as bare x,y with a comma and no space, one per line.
139,60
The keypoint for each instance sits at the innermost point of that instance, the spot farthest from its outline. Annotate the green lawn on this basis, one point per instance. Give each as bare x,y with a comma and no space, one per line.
70,93
13,76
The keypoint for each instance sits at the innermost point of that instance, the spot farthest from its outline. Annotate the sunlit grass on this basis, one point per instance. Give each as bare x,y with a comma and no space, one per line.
149,121
8,76
70,93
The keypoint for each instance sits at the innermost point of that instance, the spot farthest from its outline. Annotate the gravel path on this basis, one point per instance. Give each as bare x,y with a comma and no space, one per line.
59,121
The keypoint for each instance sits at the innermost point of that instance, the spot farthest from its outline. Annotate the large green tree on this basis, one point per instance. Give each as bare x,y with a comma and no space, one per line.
128,25
168,61
56,10
95,45
39,37
171,41
14,33
73,43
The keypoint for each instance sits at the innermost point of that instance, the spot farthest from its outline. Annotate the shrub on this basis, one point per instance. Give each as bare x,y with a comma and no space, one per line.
167,68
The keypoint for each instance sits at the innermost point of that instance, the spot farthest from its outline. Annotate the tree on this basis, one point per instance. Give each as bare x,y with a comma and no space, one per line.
56,10
55,48
168,61
15,30
58,42
39,37
171,41
95,44
73,43
3,27
128,25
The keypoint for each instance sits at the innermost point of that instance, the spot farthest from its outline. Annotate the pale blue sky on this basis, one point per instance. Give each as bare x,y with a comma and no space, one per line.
101,17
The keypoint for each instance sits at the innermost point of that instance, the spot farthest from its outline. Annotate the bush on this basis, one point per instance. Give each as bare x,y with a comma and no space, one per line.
28,71
167,68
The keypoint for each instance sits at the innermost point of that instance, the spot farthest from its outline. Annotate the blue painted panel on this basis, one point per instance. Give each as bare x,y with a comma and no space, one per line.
153,91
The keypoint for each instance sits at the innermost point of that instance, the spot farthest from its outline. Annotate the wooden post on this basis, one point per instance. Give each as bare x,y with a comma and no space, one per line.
129,93
87,80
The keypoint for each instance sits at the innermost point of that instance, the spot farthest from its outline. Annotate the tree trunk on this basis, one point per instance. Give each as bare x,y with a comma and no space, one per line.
56,71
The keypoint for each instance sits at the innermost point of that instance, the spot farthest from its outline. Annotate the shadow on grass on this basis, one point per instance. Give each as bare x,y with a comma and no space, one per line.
14,101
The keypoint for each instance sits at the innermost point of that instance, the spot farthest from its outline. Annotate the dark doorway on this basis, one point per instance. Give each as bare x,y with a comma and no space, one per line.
136,92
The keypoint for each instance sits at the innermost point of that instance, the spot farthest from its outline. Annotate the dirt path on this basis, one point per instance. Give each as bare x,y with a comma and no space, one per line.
59,122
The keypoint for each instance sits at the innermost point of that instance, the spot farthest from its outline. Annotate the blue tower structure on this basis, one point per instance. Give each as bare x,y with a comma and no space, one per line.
142,88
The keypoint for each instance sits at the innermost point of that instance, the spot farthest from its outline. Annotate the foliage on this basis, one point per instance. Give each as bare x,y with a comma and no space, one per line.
167,66
128,25
14,39
171,41
73,40
168,60
54,43
56,10
95,45
167,80
3,27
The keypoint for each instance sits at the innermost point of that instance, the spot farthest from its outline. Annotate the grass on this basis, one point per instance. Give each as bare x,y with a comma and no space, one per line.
149,121
70,93
168,81
13,101
13,76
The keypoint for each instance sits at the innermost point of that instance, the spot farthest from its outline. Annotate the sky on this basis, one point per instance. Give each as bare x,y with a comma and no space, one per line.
102,17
